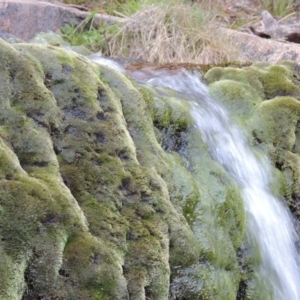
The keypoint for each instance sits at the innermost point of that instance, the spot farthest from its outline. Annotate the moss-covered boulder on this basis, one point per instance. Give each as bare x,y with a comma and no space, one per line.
108,192
106,188
264,99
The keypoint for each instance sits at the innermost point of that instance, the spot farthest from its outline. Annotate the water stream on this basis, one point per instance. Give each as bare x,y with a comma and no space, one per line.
269,222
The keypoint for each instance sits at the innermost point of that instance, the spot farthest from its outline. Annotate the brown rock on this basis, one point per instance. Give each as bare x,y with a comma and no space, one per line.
25,18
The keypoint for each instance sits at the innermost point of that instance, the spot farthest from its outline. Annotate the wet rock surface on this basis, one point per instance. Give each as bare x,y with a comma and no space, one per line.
107,190
266,99
99,199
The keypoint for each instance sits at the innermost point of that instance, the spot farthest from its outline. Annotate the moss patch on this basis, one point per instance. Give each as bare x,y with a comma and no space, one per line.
107,190
265,99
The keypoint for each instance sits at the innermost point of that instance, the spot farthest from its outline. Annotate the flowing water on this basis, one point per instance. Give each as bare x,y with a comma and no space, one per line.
268,220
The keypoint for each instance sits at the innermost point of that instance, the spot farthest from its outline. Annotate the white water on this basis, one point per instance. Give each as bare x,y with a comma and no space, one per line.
268,220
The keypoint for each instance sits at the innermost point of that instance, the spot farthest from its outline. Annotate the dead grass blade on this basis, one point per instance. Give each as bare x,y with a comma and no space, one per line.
168,34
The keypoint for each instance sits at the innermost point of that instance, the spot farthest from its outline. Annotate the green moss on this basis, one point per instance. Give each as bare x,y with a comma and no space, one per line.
264,98
114,191
277,81
275,122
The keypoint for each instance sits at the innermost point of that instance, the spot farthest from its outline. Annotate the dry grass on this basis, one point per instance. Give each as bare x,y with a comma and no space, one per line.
278,8
172,33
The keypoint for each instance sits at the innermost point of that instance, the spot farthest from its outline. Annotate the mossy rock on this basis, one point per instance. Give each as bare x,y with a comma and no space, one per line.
265,99
106,188
268,106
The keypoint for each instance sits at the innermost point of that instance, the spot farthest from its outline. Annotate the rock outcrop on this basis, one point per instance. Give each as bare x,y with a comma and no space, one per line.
265,99
96,200
107,190
26,18
256,49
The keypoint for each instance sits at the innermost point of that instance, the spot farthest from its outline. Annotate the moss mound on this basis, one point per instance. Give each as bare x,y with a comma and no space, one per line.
265,99
107,190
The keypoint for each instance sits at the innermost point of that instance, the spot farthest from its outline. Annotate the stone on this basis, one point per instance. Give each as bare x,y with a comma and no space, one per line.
97,197
25,18
255,49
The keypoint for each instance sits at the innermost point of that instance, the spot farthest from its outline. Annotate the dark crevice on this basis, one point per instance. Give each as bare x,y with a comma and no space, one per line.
294,206
56,149
146,198
9,176
29,277
241,291
245,268
67,181
131,235
126,183
173,139
40,164
11,77
76,112
101,138
96,259
148,294
102,96
49,219
101,116
67,69
63,273
279,165
37,116
48,80
257,140
122,154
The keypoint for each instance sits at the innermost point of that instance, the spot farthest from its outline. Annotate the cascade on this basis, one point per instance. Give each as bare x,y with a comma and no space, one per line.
269,223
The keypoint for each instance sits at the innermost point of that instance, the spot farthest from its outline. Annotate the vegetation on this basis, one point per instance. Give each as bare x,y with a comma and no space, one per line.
157,32
166,31
278,7
85,34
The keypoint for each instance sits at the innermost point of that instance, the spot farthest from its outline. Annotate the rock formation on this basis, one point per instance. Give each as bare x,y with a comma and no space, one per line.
265,98
26,18
96,201
107,190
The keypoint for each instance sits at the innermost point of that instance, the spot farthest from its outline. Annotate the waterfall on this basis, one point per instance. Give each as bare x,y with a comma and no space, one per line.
269,222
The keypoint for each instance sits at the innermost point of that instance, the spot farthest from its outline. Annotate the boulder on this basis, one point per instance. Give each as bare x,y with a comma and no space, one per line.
107,190
256,49
25,18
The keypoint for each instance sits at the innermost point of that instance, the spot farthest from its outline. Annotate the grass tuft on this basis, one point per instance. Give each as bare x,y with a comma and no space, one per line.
85,34
172,33
278,8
